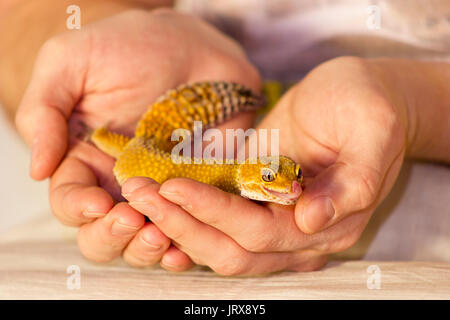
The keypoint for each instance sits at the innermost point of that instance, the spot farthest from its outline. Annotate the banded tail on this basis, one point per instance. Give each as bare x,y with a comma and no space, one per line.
209,102
109,142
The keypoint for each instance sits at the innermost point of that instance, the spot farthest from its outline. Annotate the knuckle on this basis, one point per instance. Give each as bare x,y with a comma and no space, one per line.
394,129
61,214
387,117
261,234
260,242
224,200
112,245
214,219
88,252
233,264
52,46
177,234
367,187
59,200
269,233
257,244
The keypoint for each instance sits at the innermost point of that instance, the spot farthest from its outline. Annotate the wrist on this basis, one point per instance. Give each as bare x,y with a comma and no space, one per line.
420,92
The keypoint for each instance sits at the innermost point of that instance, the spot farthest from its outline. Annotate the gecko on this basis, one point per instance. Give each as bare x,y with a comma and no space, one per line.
267,178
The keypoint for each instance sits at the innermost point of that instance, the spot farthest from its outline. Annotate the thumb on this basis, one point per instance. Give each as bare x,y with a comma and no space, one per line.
349,185
54,89
338,191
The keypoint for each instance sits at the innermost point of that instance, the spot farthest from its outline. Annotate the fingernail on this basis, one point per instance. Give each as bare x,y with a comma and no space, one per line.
147,208
176,198
150,245
318,213
132,184
89,214
121,229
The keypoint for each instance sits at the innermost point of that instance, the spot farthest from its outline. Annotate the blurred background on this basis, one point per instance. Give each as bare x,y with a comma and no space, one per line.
21,198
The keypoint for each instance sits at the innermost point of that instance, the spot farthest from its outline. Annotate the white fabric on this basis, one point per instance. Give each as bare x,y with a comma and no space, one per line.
286,38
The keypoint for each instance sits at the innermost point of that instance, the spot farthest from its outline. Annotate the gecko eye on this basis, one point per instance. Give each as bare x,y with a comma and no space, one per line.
267,175
298,171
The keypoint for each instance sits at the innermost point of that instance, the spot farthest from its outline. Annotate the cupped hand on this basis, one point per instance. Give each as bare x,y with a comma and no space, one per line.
108,73
348,130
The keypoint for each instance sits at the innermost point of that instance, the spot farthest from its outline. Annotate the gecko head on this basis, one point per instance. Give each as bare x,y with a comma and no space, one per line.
274,179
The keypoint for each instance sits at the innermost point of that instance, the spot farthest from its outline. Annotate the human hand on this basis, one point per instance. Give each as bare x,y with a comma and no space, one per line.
109,73
346,128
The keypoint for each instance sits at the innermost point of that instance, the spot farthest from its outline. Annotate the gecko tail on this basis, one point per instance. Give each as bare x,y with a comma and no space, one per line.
109,142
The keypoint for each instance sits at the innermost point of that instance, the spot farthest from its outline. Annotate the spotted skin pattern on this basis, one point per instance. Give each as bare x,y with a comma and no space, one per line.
148,153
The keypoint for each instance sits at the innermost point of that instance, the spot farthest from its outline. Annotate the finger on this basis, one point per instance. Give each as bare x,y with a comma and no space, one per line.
104,239
55,87
172,220
135,183
147,247
256,228
353,183
176,260
45,130
202,243
75,197
99,163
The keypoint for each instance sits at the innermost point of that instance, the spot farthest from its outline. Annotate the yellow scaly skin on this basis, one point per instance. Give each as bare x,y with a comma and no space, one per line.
148,153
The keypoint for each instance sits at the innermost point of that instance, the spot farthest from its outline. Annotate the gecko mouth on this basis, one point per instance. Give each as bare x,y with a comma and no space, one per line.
287,197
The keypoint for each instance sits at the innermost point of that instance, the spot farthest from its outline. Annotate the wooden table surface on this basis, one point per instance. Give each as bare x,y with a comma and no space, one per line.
34,262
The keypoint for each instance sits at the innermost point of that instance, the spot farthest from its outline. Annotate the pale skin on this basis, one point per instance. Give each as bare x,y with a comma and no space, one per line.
350,123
